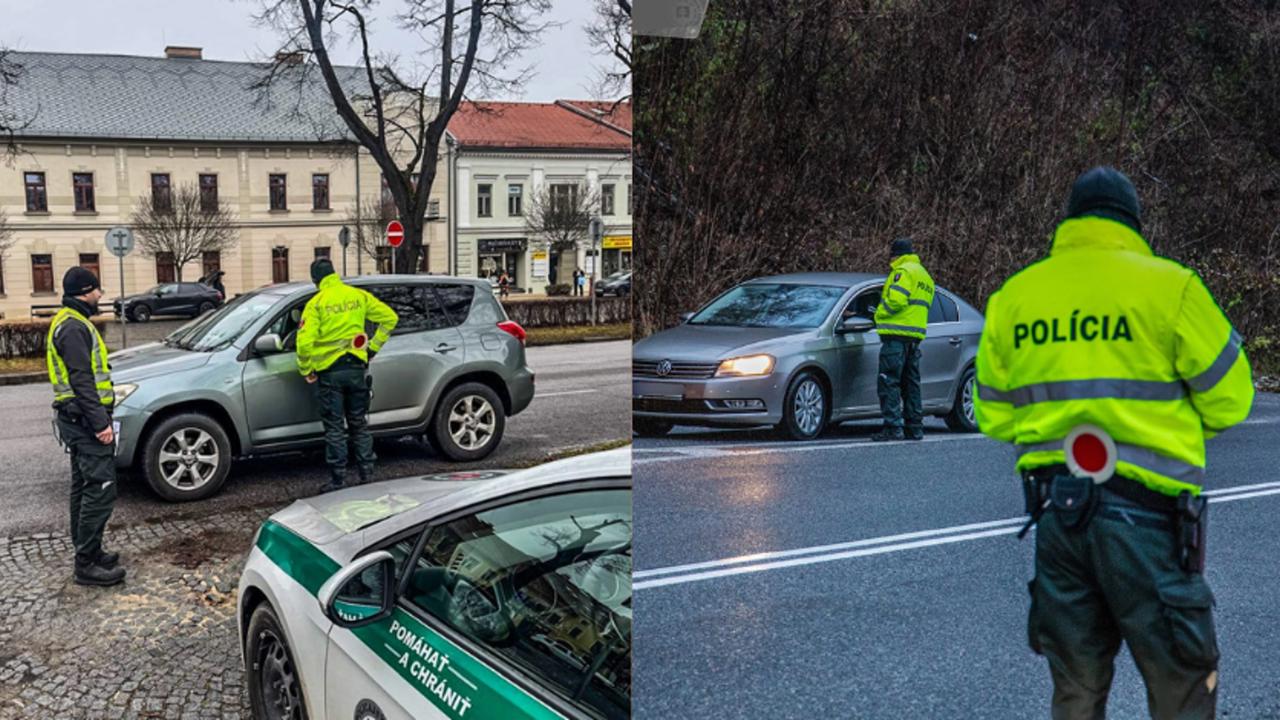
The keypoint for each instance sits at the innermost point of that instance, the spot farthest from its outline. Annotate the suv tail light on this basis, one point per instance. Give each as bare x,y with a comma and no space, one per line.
513,329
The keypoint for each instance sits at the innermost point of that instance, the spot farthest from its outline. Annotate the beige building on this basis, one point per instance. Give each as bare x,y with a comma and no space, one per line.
108,130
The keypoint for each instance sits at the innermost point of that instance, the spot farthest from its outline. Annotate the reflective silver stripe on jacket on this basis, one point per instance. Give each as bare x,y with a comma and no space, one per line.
1220,367
1136,455
900,289
900,328
919,303
1099,389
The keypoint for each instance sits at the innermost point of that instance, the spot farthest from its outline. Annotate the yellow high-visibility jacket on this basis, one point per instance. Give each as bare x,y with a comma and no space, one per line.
1106,333
905,299
333,325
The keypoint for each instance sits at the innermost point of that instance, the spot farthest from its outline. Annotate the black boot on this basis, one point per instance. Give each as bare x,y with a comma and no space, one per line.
97,575
108,560
366,475
915,433
887,434
337,482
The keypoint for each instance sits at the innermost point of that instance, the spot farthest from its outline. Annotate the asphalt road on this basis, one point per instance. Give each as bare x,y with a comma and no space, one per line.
930,625
582,399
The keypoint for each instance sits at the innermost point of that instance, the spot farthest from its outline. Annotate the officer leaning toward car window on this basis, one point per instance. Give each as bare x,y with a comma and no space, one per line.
1106,335
335,351
901,319
83,400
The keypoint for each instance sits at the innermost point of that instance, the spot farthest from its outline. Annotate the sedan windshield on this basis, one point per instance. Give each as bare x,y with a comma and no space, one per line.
221,328
771,306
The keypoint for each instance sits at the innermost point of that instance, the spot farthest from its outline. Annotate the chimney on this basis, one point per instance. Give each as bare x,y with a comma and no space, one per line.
289,58
186,53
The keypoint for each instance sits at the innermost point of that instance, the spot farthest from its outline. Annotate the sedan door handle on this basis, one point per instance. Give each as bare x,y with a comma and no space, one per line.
955,341
445,347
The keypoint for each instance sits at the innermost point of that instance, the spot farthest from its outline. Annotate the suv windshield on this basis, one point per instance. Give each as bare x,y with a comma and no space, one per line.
220,328
768,305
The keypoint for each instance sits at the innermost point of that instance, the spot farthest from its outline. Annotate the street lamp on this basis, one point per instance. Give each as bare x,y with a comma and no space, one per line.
597,233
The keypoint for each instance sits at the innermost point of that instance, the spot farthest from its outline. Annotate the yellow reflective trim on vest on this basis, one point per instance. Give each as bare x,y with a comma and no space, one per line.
59,376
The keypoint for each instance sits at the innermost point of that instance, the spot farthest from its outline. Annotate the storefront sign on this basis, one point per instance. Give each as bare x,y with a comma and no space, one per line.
540,265
617,242
501,245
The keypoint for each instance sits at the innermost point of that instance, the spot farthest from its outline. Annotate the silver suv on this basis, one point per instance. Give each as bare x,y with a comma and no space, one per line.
227,384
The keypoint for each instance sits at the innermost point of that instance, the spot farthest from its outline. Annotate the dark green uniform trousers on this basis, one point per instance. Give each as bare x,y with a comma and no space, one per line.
1118,579
343,395
899,383
93,488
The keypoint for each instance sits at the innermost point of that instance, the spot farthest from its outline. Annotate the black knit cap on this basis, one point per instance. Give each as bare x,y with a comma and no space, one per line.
1105,192
901,246
79,281
320,269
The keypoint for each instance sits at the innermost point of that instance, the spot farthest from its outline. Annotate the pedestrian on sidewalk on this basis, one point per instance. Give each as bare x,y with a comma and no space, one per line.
578,281
901,320
334,353
83,400
504,284
1107,367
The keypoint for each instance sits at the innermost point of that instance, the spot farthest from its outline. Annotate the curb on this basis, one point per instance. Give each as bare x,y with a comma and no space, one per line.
22,378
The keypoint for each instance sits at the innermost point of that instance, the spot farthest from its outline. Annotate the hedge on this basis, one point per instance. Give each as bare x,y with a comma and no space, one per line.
26,338
568,311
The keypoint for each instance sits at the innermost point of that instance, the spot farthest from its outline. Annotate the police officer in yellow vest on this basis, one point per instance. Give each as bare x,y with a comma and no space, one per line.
334,350
1105,341
900,322
83,399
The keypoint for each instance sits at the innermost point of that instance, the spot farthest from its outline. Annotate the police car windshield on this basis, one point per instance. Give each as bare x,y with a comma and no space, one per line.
220,328
766,305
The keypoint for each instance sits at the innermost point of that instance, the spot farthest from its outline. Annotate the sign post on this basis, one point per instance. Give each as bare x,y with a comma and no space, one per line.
395,236
344,239
120,243
597,232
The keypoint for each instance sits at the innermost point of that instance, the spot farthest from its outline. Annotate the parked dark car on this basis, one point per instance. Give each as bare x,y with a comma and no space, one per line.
618,284
189,299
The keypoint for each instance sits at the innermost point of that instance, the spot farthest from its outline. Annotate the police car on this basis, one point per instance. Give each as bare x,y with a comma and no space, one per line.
479,596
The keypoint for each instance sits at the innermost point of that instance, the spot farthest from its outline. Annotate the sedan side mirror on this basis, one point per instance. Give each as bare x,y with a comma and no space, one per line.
361,593
268,344
855,324
686,317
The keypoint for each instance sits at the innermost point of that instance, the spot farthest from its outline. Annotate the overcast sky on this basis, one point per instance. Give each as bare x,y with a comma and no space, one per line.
564,65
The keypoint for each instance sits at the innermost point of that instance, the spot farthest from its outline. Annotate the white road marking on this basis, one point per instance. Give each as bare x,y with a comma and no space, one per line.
685,452
693,572
538,396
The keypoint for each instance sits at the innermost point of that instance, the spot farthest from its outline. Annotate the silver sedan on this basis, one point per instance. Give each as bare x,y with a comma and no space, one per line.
799,352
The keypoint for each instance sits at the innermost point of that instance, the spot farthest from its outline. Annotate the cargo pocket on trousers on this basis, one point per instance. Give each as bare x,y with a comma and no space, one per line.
1033,620
1187,604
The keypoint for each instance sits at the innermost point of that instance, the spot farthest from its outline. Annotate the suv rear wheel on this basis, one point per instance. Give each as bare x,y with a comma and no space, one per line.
186,457
142,313
468,424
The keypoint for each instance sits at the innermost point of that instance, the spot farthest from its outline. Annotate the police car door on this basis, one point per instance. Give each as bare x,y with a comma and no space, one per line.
517,610
425,347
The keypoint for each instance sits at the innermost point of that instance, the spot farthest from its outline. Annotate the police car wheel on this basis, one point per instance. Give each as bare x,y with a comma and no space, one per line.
186,457
806,410
274,688
142,313
961,418
649,427
468,424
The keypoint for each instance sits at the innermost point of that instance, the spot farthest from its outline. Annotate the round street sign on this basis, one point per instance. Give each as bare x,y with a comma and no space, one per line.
1090,453
120,241
344,236
395,233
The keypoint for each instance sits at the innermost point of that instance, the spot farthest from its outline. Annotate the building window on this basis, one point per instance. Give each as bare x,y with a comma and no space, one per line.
211,262
515,200
42,273
484,200
280,264
320,191
209,193
278,195
323,252
433,208
37,195
161,192
564,198
165,267
82,186
606,199
383,259
89,261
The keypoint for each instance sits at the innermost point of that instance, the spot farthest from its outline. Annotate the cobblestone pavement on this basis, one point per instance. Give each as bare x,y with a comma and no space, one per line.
162,645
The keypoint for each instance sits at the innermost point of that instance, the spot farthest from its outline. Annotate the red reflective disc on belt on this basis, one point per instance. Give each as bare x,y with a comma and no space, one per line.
1090,453
359,341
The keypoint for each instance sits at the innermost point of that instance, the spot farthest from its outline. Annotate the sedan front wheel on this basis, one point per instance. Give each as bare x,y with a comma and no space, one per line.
805,412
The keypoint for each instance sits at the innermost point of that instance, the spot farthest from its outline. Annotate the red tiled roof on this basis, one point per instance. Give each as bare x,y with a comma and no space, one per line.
614,113
537,125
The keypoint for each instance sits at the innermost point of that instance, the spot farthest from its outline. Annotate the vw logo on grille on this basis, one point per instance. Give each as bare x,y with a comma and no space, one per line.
664,368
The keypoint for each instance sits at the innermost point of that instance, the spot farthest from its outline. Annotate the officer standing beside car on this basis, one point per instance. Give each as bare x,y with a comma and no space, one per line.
901,320
1104,341
334,352
83,400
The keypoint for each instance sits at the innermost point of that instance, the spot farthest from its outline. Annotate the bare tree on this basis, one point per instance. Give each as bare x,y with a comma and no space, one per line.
388,107
610,34
7,239
182,225
368,231
10,120
560,216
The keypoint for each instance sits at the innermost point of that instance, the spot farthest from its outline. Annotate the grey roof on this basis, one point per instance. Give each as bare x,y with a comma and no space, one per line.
150,98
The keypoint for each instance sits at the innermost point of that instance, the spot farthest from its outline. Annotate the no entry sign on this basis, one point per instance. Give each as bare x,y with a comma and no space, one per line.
395,233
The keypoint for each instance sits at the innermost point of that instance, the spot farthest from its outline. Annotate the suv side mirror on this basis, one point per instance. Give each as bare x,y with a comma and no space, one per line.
361,593
268,344
855,324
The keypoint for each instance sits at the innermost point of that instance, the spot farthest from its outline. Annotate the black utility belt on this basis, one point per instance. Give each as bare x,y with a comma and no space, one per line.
1129,489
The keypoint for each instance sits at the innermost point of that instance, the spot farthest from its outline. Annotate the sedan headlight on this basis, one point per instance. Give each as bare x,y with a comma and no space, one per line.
124,391
746,366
